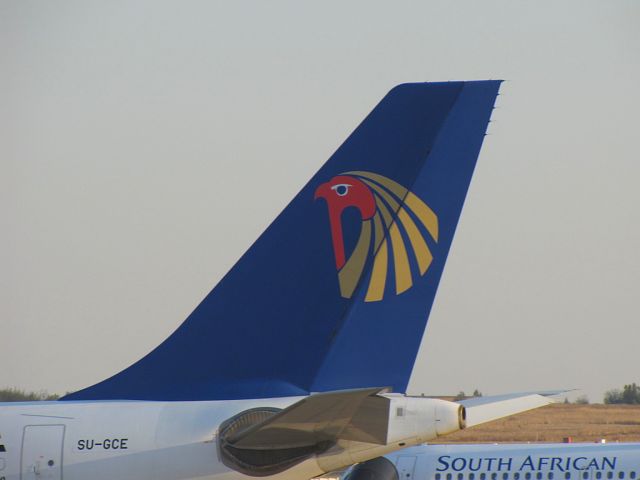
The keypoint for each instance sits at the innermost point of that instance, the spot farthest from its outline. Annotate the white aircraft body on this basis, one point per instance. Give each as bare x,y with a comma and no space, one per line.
182,440
284,369
560,461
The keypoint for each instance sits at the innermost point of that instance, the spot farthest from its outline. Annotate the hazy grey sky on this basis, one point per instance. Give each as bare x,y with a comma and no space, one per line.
145,145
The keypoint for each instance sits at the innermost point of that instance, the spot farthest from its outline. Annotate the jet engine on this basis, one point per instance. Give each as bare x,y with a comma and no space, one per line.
375,469
333,430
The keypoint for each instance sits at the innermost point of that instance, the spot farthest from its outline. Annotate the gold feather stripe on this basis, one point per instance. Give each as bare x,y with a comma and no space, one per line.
420,209
375,292
424,213
349,275
420,247
378,231
400,258
384,211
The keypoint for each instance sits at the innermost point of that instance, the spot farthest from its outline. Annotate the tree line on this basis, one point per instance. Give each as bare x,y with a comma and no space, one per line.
17,395
630,394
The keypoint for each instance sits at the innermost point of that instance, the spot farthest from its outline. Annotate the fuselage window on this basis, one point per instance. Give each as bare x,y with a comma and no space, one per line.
585,475
483,476
471,476
527,475
550,475
632,475
609,475
539,475
494,475
437,476
567,475
460,476
598,475
505,476
516,475
449,476
621,475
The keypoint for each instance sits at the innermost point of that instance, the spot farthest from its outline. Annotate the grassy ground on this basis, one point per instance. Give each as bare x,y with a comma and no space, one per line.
583,423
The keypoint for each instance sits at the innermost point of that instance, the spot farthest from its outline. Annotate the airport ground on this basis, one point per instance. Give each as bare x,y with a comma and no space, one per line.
553,423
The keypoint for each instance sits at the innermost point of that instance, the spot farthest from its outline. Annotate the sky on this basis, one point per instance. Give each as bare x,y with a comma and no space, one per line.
130,133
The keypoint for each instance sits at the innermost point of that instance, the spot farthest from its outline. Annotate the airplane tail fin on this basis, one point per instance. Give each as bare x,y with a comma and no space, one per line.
336,293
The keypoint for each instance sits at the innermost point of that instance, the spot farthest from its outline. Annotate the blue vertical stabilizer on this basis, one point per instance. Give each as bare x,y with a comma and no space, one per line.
336,293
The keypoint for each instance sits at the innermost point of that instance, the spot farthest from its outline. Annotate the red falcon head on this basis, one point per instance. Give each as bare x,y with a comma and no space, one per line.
341,192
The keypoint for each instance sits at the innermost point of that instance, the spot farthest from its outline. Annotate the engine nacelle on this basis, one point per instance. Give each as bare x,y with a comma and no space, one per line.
266,441
376,469
418,419
408,421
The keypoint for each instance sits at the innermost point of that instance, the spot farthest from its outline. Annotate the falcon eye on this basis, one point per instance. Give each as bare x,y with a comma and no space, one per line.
341,189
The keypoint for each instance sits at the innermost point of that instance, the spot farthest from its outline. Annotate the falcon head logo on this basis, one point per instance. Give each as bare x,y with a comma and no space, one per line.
390,213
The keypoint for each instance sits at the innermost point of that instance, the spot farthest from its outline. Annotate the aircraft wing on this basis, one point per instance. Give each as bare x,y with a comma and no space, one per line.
486,409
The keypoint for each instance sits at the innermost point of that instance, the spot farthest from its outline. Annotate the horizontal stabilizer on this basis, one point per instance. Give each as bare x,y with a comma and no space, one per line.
486,409
265,441
318,418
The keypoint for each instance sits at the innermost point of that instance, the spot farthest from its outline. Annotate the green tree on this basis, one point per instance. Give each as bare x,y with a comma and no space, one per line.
630,394
460,396
16,395
613,396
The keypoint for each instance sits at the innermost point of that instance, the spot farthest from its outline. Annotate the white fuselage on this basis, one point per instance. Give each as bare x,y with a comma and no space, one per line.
110,440
519,462
145,440
119,440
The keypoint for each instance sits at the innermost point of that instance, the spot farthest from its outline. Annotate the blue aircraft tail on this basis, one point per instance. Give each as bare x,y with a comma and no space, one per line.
336,293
